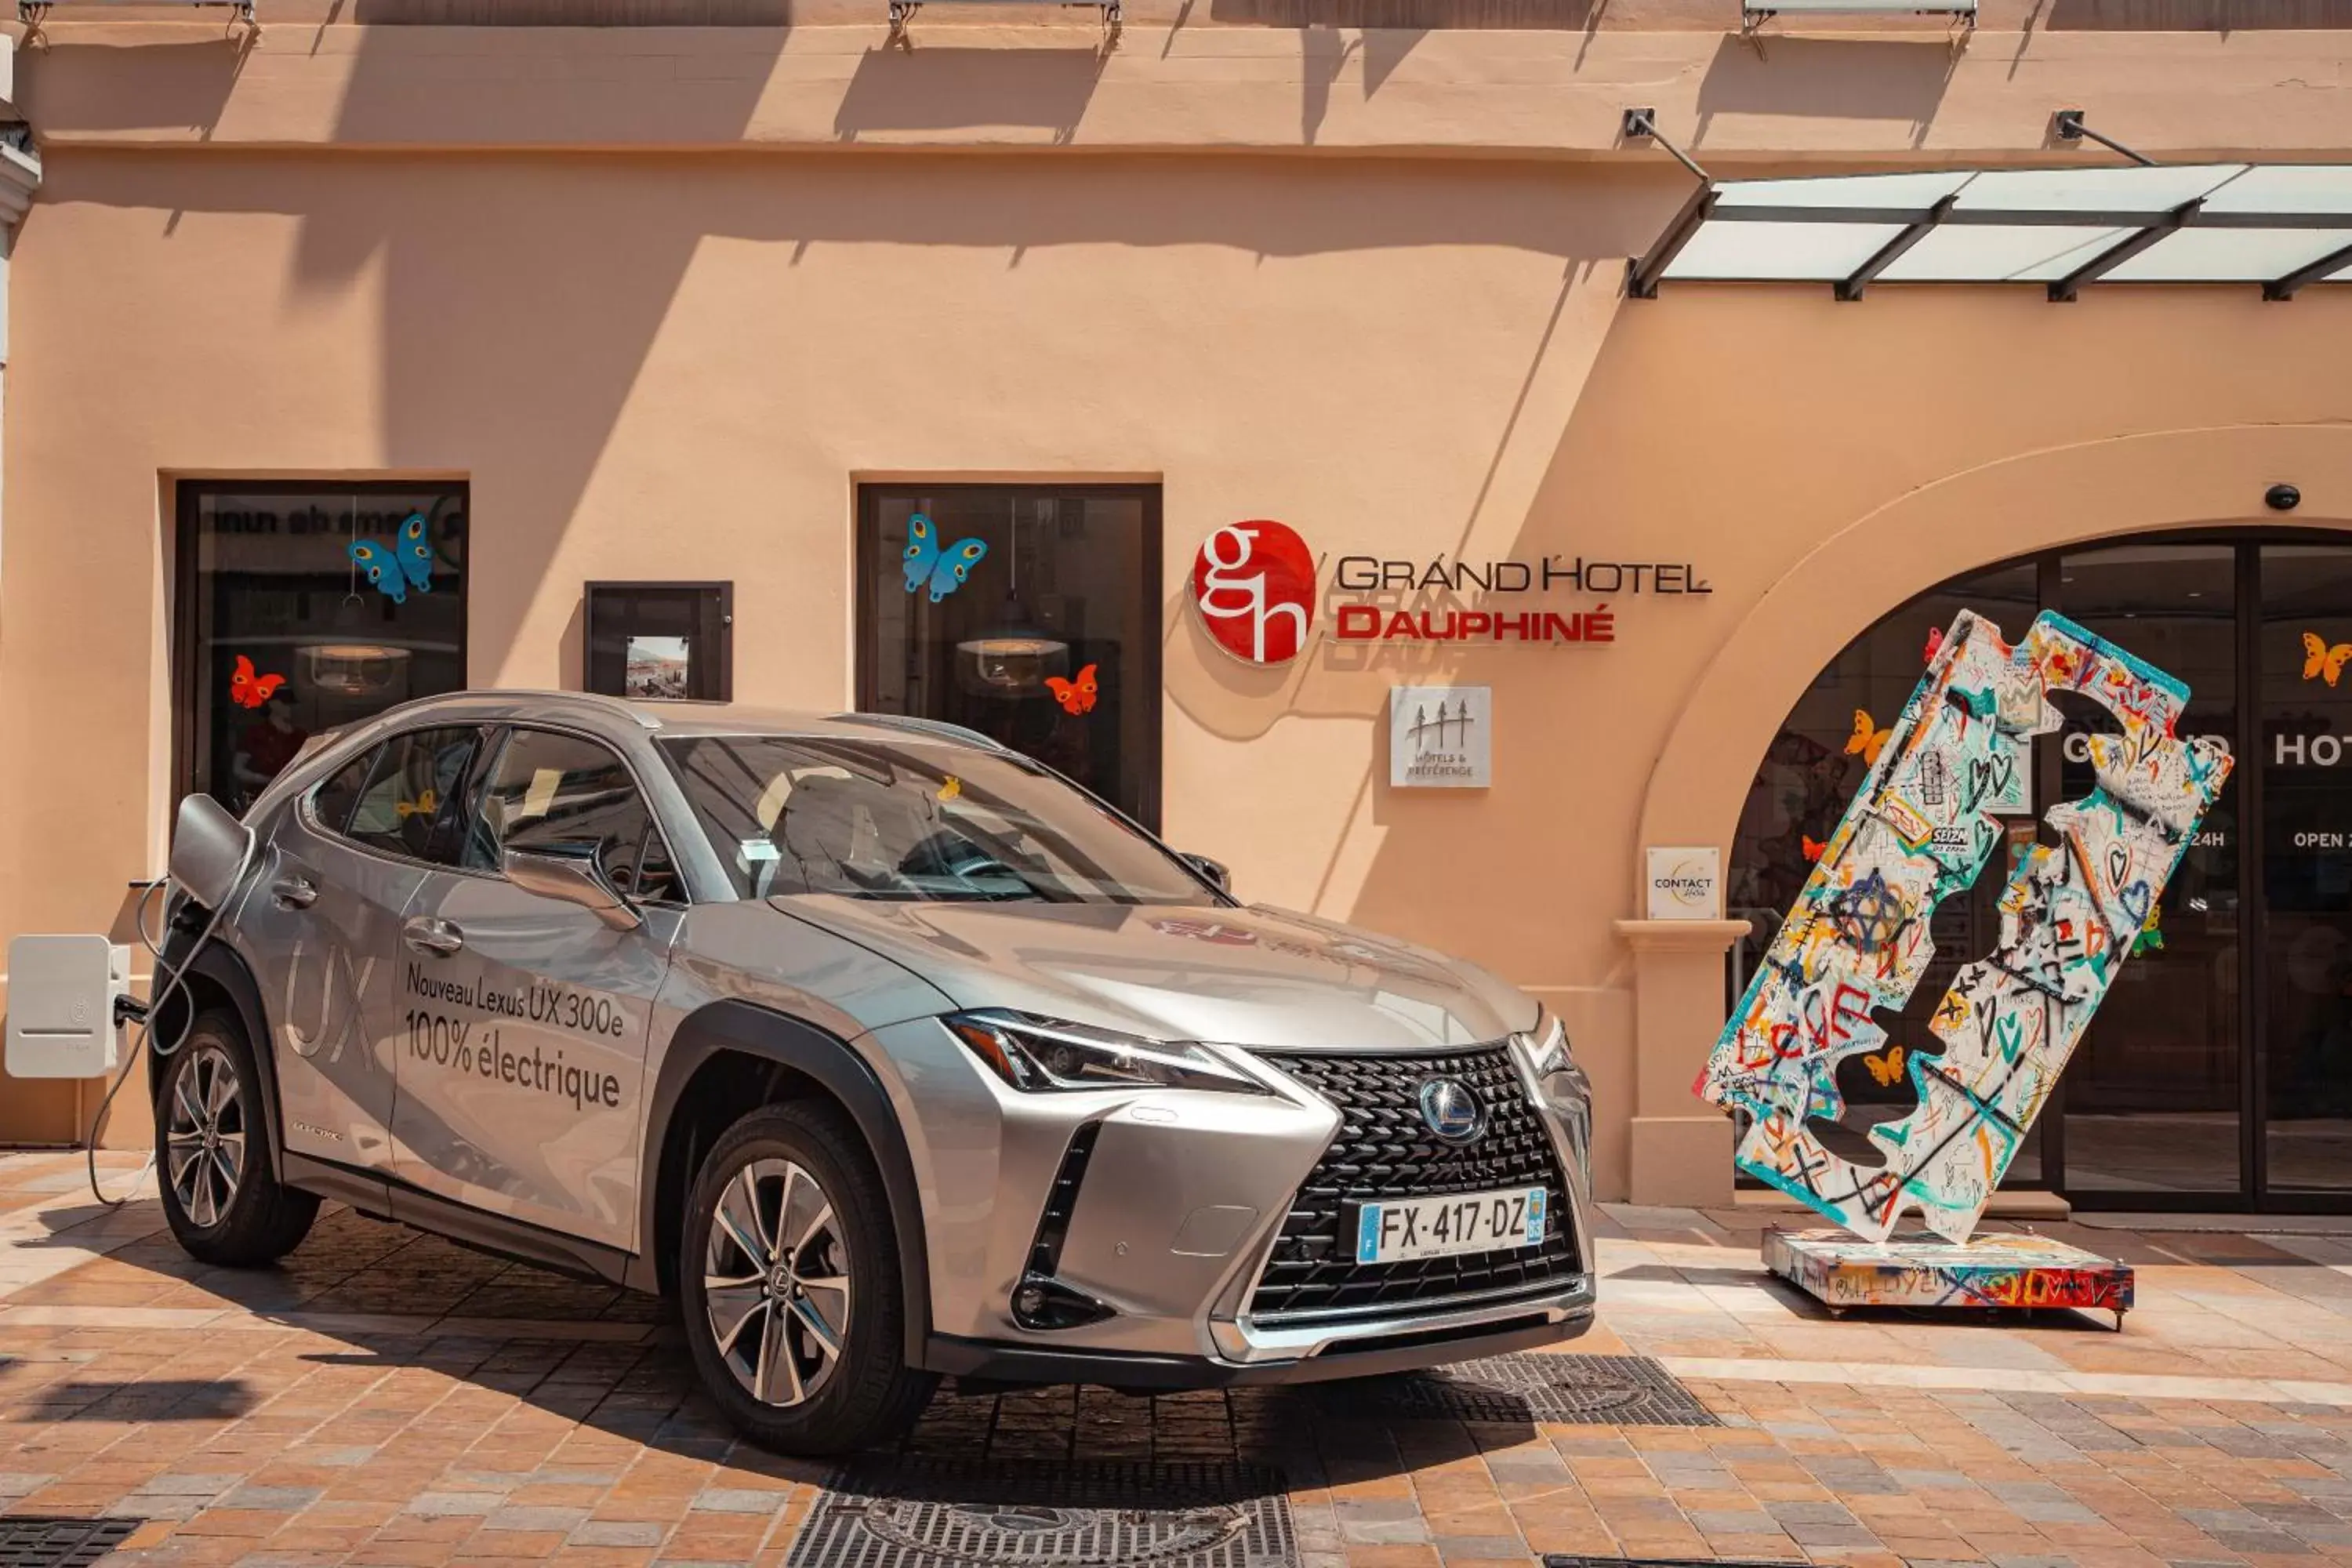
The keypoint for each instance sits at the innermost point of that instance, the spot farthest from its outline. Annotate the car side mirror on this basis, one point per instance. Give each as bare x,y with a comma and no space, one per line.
1213,871
571,874
209,849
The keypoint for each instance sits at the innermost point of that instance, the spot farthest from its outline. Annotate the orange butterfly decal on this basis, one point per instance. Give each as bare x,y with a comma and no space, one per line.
1867,740
1812,846
248,690
1885,1067
1075,696
2321,662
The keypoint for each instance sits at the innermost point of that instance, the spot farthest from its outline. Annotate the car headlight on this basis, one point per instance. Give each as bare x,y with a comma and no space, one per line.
1045,1054
1548,1045
1549,1056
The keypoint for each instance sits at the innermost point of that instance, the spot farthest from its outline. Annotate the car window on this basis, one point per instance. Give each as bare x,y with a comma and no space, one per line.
914,821
548,789
409,791
331,802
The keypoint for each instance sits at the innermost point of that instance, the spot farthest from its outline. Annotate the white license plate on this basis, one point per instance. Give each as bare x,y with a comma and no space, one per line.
1440,1227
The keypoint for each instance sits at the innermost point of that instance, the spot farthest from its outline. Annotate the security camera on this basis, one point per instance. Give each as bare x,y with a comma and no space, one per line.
2283,498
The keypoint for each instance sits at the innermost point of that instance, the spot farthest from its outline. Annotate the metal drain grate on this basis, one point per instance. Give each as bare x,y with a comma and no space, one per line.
1594,1390
960,1514
39,1541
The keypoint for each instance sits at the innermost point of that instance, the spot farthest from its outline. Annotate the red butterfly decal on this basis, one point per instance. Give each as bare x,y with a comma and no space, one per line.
1075,696
1813,846
248,690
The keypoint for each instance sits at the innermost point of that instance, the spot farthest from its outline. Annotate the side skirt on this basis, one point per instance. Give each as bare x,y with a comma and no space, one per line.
380,1196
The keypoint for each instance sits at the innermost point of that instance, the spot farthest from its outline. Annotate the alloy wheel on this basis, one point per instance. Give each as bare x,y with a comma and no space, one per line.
204,1137
775,1282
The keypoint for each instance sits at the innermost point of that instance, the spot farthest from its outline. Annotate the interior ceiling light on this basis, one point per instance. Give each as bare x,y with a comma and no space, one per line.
353,668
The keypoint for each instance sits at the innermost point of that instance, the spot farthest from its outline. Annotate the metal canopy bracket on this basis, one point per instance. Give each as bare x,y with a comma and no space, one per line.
1643,272
1850,289
2068,289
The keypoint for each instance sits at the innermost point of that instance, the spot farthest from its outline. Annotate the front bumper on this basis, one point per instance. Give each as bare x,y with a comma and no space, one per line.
1373,1349
1179,1208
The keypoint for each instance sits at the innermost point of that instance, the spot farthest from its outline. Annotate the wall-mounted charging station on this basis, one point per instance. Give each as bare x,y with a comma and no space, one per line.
63,1016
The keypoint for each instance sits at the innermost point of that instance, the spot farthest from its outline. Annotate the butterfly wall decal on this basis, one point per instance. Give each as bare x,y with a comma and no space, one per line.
2322,661
1885,1067
1811,846
1075,696
395,568
248,690
1867,740
943,570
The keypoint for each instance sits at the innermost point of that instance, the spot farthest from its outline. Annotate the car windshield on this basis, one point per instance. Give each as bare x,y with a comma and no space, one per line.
913,821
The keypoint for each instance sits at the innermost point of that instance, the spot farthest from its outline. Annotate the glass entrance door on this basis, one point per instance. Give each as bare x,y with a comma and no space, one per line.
2152,1098
2304,922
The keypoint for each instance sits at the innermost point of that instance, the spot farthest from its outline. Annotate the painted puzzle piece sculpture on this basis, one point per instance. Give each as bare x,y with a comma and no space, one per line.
1921,828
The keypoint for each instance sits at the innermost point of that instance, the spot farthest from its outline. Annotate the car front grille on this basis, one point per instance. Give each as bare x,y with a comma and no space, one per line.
1385,1150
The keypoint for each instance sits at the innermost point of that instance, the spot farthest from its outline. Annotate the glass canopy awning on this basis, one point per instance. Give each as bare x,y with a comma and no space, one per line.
2283,226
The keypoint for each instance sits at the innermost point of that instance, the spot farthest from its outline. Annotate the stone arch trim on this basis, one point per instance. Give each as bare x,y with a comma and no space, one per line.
2211,479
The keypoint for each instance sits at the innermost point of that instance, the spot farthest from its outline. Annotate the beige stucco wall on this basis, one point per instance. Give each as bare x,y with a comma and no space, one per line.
669,363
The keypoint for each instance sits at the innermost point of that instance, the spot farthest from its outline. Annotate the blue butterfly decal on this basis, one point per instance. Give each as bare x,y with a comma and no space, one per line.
394,569
944,569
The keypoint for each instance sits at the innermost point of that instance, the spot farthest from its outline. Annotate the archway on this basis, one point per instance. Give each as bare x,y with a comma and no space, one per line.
1789,677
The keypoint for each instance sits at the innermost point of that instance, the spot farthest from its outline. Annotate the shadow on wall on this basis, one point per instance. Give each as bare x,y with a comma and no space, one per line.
525,297
142,86
1868,79
937,88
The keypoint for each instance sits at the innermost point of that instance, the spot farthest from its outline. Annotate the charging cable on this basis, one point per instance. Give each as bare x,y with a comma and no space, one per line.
144,1016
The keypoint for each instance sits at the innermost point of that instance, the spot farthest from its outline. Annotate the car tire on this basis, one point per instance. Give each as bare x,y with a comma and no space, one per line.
790,1286
221,1195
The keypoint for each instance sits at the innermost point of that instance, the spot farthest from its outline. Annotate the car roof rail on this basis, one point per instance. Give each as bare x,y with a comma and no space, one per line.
939,727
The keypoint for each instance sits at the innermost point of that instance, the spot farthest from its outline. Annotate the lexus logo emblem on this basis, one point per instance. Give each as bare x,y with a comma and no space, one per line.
1452,1111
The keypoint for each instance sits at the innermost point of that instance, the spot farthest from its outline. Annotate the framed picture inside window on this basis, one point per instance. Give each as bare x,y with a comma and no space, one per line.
661,642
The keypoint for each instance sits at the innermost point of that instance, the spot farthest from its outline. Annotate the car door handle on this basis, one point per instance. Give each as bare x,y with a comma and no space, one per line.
294,892
427,934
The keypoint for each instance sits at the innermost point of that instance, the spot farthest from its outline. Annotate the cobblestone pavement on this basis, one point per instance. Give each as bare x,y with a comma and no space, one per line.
387,1398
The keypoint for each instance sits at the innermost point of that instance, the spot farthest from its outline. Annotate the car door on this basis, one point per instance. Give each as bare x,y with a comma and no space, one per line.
322,930
522,1075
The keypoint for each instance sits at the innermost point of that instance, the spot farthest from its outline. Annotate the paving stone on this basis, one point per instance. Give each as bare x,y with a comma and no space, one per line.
455,1503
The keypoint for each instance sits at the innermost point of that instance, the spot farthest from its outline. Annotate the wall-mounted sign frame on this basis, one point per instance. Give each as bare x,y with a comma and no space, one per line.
1441,737
659,642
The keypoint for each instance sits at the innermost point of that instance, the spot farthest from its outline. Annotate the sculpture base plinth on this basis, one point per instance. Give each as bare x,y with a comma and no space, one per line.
2002,1271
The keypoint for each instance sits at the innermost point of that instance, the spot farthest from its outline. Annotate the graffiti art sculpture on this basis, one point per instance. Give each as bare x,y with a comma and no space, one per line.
1802,1041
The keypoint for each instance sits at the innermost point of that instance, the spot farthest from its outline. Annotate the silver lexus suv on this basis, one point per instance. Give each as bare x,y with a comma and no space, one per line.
886,1052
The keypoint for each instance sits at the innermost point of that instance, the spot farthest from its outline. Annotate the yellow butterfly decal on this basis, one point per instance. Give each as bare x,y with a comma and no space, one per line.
2321,662
1885,1067
1867,740
953,788
425,805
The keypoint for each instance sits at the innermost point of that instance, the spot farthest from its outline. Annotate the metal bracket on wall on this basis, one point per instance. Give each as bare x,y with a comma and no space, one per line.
1641,272
902,16
1961,16
34,13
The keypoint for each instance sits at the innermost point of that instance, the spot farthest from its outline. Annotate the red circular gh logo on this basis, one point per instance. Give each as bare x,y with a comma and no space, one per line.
1253,584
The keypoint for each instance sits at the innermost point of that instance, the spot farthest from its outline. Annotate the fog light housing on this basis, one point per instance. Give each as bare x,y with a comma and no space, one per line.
1047,1304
